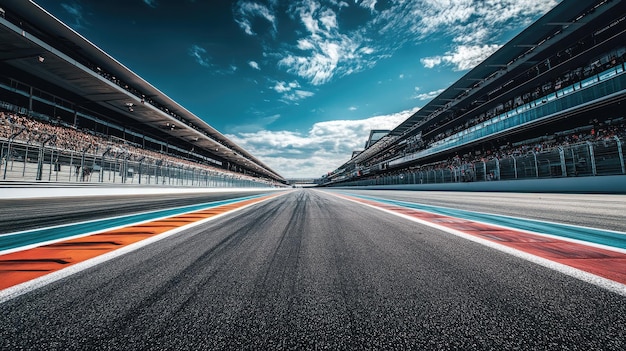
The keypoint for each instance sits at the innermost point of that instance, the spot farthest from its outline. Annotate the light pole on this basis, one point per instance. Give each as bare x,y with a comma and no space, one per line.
6,158
41,155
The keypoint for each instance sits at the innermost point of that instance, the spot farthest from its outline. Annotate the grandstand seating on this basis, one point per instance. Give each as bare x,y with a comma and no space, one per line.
67,95
24,130
597,149
560,95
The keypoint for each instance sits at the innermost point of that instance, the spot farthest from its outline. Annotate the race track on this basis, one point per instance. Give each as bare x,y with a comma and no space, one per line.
311,270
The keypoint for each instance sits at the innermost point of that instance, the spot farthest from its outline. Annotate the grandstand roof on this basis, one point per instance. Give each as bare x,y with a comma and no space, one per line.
49,49
559,17
519,51
375,135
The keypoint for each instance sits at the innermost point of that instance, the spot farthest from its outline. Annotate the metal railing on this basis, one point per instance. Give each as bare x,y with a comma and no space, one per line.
21,161
605,157
594,88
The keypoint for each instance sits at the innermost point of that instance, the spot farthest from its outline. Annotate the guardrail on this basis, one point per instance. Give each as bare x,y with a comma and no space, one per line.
605,157
592,89
26,162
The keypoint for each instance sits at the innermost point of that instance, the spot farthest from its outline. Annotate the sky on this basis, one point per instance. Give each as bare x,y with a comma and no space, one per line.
300,83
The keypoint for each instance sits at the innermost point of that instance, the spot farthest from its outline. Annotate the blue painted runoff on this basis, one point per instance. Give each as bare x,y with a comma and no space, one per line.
592,235
19,239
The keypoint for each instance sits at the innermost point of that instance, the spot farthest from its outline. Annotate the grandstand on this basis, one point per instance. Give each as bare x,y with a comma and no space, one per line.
547,104
71,112
302,182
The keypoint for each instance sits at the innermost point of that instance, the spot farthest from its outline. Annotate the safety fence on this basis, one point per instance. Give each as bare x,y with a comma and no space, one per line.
605,157
592,89
26,162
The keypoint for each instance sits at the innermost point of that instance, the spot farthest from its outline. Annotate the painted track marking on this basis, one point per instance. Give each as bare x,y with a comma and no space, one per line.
602,266
26,270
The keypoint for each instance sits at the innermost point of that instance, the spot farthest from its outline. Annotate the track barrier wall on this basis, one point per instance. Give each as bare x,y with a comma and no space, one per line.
581,161
27,162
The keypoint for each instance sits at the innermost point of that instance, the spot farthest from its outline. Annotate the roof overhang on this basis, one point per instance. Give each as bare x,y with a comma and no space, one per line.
25,51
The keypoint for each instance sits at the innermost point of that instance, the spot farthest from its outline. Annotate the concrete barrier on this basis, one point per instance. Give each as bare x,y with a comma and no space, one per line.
25,190
591,185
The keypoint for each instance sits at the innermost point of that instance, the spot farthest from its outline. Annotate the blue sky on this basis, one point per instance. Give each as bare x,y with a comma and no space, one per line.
299,83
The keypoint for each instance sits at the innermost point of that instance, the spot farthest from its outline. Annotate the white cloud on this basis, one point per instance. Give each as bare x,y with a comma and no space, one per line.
254,65
328,19
296,95
476,36
463,57
430,62
304,44
434,14
200,55
339,4
282,87
324,50
151,3
290,91
475,27
323,148
469,21
368,4
76,11
429,95
246,11
258,124
320,47
270,119
366,50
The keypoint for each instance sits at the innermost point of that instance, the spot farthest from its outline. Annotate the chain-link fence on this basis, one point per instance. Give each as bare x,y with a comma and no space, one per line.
605,157
26,162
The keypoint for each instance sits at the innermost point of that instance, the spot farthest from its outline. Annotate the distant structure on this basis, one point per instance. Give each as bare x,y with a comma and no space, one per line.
375,135
302,182
549,103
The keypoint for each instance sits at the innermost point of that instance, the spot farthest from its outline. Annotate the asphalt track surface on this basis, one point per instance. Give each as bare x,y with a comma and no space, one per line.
24,214
308,270
598,211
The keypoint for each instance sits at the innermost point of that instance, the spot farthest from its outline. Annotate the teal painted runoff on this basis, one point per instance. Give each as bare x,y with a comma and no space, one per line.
592,235
30,237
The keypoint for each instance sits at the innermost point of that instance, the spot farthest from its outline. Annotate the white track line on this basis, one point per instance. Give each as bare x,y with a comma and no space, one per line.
587,277
23,288
209,205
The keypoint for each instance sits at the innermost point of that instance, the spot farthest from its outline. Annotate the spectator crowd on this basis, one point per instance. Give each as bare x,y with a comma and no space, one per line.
15,127
603,130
